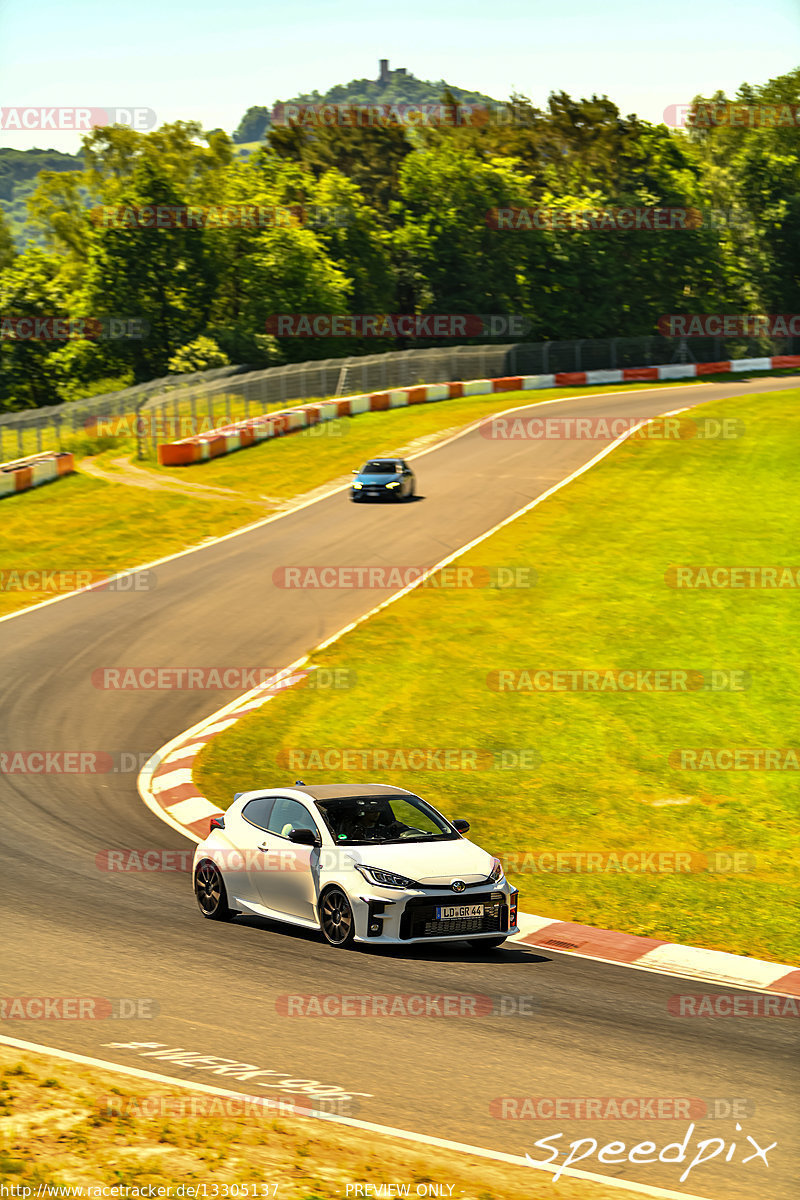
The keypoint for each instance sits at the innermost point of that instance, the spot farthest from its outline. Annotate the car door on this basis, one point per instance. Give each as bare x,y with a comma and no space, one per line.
242,864
407,481
288,883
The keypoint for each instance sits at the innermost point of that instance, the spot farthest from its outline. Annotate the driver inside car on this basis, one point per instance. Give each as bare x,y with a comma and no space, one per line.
376,822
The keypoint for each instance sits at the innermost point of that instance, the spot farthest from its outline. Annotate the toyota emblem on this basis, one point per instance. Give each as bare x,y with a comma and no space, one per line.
458,885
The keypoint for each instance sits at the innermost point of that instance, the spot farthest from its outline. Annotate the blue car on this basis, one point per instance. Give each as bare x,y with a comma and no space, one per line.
383,479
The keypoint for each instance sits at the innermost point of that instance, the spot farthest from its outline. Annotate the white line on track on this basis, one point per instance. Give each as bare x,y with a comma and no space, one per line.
642,1189
225,537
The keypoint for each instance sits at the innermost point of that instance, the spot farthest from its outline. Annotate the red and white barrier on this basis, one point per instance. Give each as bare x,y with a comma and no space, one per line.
257,429
31,472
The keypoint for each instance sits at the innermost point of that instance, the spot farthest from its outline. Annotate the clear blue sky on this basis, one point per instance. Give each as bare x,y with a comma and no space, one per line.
211,61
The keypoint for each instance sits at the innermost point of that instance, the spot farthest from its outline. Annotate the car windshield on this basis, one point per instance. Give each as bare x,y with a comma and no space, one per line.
362,820
380,466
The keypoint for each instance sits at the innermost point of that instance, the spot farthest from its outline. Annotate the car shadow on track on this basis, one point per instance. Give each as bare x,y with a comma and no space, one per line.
378,502
441,952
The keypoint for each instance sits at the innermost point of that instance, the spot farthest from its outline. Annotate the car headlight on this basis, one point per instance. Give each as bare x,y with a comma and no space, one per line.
496,873
358,485
395,484
385,878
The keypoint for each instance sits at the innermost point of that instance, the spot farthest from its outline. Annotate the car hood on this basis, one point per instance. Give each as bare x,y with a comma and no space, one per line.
437,863
377,479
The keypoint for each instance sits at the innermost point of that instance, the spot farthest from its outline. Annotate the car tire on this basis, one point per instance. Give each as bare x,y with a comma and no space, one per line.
210,893
487,943
336,918
412,493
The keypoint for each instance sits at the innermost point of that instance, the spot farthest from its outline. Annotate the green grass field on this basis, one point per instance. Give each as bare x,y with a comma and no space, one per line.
84,523
606,783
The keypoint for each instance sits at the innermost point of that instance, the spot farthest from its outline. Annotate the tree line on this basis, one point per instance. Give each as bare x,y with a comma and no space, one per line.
395,219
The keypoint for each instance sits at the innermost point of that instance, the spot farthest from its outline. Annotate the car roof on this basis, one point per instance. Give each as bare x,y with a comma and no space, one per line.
389,458
345,791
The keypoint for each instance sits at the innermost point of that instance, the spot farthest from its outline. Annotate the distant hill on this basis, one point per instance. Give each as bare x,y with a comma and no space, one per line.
391,87
18,172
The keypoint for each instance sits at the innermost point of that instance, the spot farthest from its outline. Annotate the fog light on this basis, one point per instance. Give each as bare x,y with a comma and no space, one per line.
375,927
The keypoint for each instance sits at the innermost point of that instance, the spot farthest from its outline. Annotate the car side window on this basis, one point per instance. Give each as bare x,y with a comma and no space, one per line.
257,811
288,815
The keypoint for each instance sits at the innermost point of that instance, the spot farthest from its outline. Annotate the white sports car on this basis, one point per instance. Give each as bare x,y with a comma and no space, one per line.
362,863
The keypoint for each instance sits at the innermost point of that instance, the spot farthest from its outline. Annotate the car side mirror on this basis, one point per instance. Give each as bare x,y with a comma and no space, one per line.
303,837
216,822
461,826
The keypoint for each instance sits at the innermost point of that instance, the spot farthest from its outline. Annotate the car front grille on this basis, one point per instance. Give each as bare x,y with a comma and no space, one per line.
419,917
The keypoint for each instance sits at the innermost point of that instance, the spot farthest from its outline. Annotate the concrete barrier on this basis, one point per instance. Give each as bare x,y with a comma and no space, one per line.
25,473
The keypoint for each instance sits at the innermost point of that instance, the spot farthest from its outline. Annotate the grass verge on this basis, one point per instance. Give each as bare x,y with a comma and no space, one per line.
66,1125
82,523
608,781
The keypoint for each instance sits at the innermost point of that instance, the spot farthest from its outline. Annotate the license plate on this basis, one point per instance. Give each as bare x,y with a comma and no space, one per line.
455,912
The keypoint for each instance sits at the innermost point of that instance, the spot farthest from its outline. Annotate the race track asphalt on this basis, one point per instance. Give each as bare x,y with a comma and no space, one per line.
72,929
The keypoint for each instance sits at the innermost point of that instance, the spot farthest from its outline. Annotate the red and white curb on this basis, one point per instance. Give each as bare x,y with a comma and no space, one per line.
166,786
253,430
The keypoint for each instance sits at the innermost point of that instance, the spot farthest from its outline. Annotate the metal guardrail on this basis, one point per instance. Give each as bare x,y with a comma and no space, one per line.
214,397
